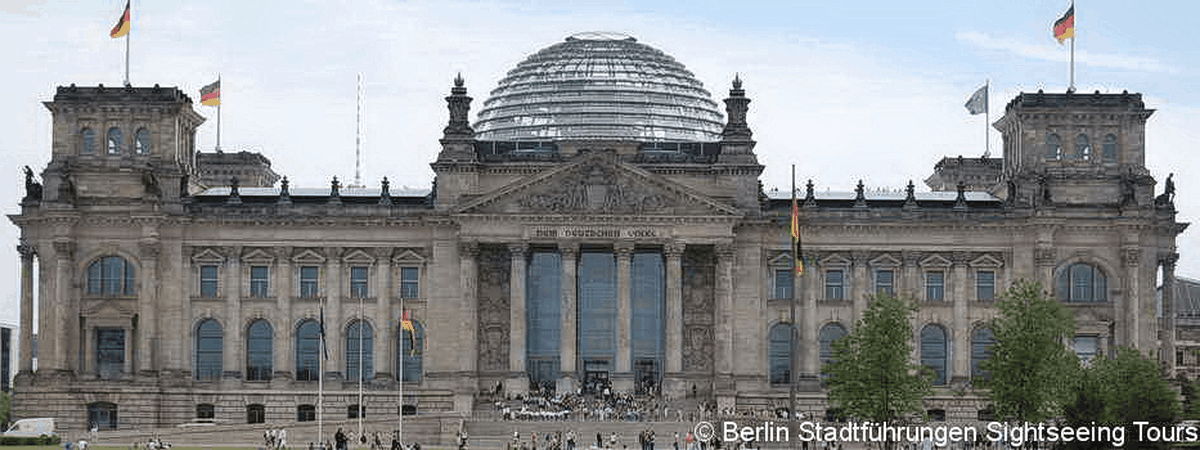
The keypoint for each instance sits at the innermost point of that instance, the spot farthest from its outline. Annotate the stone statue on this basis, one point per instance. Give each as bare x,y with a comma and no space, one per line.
1127,189
1168,195
150,183
33,189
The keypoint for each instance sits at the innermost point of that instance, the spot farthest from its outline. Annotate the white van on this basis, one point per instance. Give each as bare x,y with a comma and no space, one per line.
32,427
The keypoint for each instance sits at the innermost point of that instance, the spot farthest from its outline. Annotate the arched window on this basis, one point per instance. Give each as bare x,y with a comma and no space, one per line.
779,351
114,141
141,141
308,349
981,349
1083,149
88,136
359,344
1083,283
102,416
826,336
110,275
410,351
1109,149
933,352
1053,147
208,350
260,340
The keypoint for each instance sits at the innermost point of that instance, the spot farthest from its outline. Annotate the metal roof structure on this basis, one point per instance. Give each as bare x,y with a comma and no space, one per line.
599,86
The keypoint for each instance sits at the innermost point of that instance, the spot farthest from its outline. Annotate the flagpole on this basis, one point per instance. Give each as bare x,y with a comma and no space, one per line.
400,377
127,36
792,375
361,372
320,377
1073,33
219,117
987,141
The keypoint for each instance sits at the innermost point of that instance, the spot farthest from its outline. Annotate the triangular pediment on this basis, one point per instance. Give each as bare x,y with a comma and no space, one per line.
597,183
885,260
783,259
935,261
835,260
309,256
408,256
258,256
358,256
987,261
208,255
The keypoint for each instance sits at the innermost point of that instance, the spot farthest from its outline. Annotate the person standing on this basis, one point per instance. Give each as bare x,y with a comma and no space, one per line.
340,439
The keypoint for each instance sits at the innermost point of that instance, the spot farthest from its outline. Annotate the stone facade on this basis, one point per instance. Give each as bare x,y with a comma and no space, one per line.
132,269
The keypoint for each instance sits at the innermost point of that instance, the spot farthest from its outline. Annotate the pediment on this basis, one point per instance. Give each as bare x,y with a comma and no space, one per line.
109,308
208,255
358,256
987,261
885,260
408,257
835,260
783,259
935,261
597,183
258,256
308,256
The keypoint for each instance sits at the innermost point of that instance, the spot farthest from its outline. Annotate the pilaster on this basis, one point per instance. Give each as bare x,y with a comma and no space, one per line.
570,257
25,355
518,381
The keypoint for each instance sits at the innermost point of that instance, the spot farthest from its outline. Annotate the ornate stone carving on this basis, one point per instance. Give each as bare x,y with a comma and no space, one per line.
1168,261
960,258
623,249
493,294
1044,256
150,249
518,251
468,249
860,257
725,252
27,251
1130,256
699,282
64,249
698,349
673,250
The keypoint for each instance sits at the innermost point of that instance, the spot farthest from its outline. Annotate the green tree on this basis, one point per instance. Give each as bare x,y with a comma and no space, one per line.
1119,391
1030,368
873,376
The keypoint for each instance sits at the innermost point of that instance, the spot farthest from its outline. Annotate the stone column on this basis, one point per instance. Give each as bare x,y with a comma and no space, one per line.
1044,259
570,256
517,382
56,331
811,288
955,284
468,254
25,355
860,285
910,280
282,323
334,293
145,359
1168,307
234,341
383,294
725,387
623,378
674,386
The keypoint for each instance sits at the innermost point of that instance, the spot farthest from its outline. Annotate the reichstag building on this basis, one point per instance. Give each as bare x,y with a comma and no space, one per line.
601,222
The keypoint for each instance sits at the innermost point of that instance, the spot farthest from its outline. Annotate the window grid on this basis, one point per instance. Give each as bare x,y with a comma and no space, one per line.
309,284
260,281
835,284
111,275
884,282
358,282
935,286
409,282
208,281
114,141
783,284
985,285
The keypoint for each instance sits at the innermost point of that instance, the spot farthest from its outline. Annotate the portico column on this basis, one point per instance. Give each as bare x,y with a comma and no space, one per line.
382,329
284,322
570,255
517,381
468,257
25,358
145,359
55,330
674,255
1168,308
860,285
333,314
725,388
231,291
623,381
960,339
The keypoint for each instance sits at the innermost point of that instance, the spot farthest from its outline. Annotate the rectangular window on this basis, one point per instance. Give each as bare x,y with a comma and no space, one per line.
309,287
260,283
358,282
409,285
783,284
935,286
834,285
985,285
110,352
208,281
1086,347
1178,357
884,282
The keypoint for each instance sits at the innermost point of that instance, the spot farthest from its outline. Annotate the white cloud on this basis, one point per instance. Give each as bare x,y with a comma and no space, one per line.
1050,52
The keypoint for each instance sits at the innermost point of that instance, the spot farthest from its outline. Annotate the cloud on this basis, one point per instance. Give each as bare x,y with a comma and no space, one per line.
1057,54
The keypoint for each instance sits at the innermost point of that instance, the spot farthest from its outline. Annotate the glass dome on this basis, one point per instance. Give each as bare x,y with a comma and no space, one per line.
599,86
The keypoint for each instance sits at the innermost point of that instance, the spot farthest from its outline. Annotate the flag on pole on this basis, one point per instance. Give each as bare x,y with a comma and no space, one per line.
796,236
406,324
1065,27
978,104
323,346
122,27
211,95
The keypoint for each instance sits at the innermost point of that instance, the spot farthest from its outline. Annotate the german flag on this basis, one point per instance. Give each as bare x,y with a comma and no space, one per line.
1065,27
211,95
122,26
796,236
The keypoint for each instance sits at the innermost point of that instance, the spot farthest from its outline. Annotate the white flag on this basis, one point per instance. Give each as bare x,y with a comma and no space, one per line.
978,104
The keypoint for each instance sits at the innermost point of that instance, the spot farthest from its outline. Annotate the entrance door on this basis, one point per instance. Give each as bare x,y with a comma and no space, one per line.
646,376
595,375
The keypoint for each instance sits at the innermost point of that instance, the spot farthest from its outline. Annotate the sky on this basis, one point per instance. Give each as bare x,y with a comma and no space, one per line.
870,90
